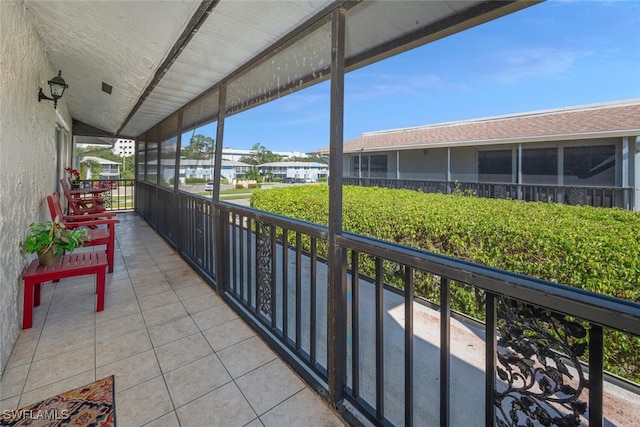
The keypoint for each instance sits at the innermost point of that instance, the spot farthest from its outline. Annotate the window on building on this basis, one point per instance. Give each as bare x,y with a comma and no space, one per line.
152,162
594,166
168,147
372,166
197,145
495,166
540,166
140,160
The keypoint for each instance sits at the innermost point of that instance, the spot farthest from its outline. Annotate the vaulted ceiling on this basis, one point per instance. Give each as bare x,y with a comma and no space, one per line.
159,55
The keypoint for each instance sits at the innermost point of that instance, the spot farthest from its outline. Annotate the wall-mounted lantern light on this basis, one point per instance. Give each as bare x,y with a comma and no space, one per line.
57,85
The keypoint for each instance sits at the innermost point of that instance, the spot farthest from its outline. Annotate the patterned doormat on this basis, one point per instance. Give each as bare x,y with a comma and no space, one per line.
90,406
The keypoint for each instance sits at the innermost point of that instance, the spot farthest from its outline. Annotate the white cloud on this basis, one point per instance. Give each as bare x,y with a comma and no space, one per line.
365,87
514,66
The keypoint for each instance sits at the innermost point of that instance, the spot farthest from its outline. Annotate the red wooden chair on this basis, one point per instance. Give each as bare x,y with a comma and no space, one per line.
55,209
99,236
79,205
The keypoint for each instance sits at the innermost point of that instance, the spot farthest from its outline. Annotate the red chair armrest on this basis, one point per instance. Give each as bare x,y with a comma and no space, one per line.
92,223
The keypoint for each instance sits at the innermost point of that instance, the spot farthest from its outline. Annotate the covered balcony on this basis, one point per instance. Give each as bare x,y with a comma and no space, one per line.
215,306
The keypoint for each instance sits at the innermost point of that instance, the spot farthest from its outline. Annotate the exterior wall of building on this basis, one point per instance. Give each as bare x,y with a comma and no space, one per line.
596,162
464,161
281,170
29,156
124,147
634,178
424,164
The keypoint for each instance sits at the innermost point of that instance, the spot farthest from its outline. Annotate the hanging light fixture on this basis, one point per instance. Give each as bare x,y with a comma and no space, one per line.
57,85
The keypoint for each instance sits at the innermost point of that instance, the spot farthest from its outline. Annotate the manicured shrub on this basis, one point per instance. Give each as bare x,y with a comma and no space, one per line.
589,248
190,181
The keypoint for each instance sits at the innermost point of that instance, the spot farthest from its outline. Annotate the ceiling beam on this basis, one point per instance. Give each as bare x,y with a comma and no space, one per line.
196,21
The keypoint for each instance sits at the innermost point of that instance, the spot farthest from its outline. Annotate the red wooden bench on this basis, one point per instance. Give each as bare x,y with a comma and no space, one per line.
79,264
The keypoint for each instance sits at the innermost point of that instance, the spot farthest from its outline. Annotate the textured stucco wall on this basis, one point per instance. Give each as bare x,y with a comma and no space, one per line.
27,155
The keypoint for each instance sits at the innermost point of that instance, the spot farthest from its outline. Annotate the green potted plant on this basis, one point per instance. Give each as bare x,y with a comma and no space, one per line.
51,239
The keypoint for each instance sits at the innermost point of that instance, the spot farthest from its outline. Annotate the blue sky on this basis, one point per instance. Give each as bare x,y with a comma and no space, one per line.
555,54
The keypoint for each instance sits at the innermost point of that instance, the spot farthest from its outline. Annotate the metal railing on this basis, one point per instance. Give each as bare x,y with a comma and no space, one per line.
407,350
118,195
605,197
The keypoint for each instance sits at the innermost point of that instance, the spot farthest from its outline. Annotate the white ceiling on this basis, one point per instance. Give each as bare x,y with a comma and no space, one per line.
127,44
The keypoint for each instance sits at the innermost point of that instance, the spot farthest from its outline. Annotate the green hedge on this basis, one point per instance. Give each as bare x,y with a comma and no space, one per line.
191,181
589,248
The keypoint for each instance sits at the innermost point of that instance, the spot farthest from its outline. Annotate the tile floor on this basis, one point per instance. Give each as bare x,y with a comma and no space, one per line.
180,355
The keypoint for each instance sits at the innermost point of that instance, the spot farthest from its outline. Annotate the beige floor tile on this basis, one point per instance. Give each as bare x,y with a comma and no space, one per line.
121,347
196,379
156,300
182,277
246,356
145,289
131,371
64,304
12,381
151,278
167,263
118,280
210,318
178,271
172,330
22,352
121,295
143,403
145,270
66,321
163,255
173,355
30,335
56,388
114,310
193,291
301,410
168,420
54,369
202,303
269,385
227,334
255,423
225,406
39,317
163,314
54,343
9,404
107,329
119,286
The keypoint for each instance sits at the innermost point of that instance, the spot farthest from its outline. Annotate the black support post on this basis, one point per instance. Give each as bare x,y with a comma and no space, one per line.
490,358
221,223
596,373
336,322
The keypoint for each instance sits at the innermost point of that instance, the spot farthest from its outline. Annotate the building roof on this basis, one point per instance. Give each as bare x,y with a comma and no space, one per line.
209,162
616,119
295,164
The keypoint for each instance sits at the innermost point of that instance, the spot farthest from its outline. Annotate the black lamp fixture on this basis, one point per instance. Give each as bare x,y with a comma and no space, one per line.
57,85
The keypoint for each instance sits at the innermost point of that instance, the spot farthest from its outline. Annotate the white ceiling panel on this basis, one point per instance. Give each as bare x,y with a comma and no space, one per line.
120,43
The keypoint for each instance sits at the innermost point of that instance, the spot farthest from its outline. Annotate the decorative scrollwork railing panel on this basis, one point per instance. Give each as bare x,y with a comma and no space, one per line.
540,378
263,267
